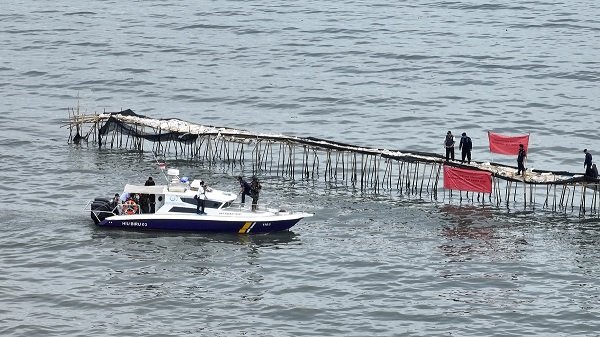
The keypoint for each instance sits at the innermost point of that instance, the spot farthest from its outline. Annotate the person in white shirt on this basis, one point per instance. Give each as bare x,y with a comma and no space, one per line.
200,197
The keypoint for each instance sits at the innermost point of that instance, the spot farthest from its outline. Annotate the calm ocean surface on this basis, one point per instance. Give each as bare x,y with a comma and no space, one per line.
393,75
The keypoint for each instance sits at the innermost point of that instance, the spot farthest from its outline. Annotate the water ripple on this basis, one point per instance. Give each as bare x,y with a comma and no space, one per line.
389,75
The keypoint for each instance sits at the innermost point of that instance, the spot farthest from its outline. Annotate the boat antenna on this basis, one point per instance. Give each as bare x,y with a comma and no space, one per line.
162,166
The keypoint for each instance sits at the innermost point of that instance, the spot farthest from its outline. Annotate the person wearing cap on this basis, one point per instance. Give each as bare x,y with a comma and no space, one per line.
200,197
588,160
244,188
465,146
521,159
449,144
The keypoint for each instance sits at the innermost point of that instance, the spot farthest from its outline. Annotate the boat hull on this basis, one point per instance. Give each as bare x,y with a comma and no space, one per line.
203,223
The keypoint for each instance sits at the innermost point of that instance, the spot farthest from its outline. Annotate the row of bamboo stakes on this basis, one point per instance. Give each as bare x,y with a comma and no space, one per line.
410,178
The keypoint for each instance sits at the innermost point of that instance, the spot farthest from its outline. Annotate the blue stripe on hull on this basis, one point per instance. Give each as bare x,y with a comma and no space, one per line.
202,225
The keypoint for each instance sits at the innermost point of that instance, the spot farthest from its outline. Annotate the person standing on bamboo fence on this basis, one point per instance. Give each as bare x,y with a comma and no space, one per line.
449,144
521,160
588,160
465,146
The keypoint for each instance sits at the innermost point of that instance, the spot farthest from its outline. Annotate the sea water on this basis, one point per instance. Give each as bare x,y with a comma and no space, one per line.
394,75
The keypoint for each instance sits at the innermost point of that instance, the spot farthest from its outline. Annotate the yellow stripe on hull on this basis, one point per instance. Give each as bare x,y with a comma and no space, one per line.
245,227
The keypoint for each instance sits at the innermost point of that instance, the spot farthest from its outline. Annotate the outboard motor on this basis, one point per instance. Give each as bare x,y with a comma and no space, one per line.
101,209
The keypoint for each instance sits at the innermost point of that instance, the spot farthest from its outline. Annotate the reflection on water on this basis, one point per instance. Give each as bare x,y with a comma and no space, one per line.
471,231
205,265
154,238
466,214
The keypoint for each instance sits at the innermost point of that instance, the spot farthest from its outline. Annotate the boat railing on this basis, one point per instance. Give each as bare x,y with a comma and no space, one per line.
117,209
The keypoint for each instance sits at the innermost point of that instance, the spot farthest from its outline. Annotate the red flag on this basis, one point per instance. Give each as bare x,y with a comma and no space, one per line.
467,180
507,144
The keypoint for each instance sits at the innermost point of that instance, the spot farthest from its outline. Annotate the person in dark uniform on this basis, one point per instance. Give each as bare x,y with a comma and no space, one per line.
244,188
521,159
588,160
449,144
594,171
151,197
465,146
255,188
143,202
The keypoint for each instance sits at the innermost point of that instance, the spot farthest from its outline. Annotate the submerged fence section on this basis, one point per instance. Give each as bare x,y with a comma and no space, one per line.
411,174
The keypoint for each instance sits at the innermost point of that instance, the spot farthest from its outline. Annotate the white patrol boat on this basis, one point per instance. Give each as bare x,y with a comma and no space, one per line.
176,210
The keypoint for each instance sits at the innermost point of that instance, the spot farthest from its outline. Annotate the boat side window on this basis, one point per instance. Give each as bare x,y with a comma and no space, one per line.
207,203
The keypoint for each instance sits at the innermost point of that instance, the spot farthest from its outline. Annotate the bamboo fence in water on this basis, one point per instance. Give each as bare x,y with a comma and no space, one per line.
412,174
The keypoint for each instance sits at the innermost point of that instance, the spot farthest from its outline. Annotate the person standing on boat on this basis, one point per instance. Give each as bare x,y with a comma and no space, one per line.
151,197
200,197
255,188
449,144
244,188
143,203
465,146
521,159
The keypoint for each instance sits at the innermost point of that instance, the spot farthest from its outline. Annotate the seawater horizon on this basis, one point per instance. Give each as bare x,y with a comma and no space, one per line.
380,75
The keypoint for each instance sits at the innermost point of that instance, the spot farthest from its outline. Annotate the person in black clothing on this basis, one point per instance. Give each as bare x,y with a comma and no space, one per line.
594,171
449,144
465,145
521,160
255,188
588,160
151,197
143,203
244,188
